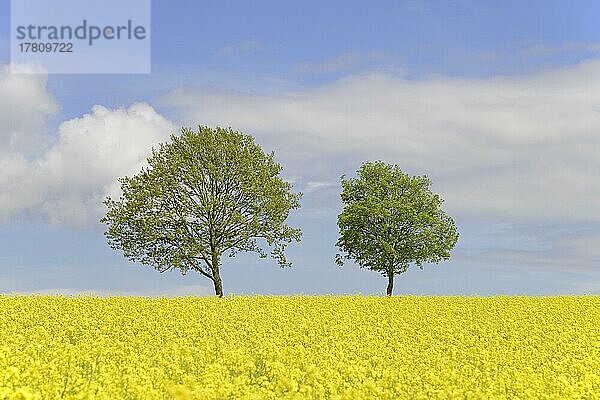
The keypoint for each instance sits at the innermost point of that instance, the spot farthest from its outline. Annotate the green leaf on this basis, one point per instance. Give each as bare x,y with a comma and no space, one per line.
203,193
390,220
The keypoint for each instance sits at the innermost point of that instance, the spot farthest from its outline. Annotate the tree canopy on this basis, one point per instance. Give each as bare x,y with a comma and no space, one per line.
390,220
203,194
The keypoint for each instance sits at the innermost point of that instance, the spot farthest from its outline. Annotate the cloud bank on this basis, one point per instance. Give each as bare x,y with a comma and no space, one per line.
521,149
516,149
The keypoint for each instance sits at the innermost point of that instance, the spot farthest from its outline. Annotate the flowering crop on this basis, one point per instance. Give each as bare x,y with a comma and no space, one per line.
302,347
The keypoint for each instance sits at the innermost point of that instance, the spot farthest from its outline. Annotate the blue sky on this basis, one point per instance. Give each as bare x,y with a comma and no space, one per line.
496,102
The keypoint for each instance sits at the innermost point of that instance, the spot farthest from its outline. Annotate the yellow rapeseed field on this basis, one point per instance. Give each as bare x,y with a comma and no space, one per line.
303,347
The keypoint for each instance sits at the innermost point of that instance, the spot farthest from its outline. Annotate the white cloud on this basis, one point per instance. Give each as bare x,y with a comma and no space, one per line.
530,49
25,108
516,148
544,50
313,186
68,181
345,62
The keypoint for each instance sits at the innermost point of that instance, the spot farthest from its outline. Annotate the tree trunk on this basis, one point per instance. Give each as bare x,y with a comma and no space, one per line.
390,285
217,275
217,281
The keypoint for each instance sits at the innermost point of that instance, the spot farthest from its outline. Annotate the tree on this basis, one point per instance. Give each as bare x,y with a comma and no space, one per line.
390,220
203,194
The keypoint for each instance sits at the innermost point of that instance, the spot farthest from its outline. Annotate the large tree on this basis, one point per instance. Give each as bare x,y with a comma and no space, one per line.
391,220
203,194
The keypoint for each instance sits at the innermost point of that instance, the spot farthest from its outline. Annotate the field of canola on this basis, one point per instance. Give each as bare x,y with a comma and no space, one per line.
302,347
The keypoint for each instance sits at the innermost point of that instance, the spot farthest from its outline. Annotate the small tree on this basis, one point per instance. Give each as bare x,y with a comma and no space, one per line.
390,220
203,194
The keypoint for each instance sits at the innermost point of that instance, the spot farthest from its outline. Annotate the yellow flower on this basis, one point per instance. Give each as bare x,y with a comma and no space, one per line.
300,347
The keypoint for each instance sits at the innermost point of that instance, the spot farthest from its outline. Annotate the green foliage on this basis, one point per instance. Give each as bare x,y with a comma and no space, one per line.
390,220
203,194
